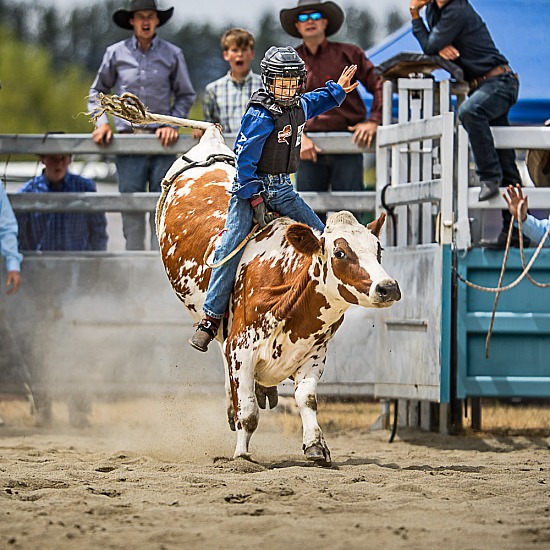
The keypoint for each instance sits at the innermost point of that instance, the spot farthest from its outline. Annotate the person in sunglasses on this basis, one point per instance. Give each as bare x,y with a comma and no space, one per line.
313,21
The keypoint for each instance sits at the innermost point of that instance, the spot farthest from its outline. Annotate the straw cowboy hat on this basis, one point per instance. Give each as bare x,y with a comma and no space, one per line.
330,11
538,165
122,17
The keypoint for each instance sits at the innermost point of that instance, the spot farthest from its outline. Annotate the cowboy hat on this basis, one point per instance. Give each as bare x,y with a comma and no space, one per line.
122,17
538,165
330,11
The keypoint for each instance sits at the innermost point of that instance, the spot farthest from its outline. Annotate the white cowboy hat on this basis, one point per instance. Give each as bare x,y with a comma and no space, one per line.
330,11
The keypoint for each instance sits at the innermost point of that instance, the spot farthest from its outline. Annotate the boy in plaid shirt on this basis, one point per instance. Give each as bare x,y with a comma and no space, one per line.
225,99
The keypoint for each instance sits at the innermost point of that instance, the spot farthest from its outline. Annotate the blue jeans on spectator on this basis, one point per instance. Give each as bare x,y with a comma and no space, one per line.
331,173
134,172
280,196
488,105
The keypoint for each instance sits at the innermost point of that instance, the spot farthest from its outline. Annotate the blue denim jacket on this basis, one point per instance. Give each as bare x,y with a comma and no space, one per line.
8,233
257,124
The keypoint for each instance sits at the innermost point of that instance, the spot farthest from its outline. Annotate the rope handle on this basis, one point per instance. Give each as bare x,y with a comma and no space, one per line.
256,230
525,270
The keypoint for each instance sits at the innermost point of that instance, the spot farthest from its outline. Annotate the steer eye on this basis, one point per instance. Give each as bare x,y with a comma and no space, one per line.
339,254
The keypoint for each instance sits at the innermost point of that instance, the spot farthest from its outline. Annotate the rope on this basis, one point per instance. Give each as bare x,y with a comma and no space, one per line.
499,289
166,184
499,286
130,108
256,230
519,279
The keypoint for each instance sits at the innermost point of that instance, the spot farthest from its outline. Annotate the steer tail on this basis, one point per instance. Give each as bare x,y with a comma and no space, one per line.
165,188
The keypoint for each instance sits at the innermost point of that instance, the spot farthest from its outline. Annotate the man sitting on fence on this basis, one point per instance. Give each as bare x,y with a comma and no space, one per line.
456,32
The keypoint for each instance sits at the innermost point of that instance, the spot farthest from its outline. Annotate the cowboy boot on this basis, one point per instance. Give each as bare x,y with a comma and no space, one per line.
206,331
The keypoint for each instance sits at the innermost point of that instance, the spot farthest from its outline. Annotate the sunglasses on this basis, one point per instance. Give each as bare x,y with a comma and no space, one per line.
315,16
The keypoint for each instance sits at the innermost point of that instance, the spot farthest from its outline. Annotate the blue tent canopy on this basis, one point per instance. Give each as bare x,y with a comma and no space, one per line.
520,31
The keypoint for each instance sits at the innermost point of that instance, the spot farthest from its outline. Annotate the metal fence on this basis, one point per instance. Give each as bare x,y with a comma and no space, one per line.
83,145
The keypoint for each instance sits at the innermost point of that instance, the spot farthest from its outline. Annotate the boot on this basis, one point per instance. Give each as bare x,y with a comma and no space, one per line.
488,190
206,331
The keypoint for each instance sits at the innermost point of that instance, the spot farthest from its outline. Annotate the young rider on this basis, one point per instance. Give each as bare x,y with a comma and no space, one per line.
267,150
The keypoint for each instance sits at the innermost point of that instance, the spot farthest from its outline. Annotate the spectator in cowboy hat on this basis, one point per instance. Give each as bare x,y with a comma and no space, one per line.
314,21
155,71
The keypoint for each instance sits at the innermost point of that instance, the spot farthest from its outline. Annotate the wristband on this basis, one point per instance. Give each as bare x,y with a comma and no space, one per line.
254,201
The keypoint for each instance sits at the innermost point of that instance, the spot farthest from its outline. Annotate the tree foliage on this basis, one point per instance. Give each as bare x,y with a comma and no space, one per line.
36,96
49,57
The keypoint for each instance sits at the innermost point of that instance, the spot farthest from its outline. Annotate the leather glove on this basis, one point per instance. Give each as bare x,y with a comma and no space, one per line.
261,214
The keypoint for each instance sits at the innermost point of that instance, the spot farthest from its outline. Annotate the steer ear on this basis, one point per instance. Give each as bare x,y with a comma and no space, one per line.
302,238
376,225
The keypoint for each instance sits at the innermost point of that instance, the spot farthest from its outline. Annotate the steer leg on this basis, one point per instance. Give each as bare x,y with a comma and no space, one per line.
245,406
305,393
230,410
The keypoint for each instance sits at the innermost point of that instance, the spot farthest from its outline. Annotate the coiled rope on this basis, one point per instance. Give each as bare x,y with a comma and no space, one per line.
525,273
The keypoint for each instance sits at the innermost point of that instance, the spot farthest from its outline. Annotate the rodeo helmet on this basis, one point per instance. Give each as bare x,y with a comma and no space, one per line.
283,62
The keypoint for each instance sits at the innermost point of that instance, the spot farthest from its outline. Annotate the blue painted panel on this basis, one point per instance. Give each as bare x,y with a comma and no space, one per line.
519,354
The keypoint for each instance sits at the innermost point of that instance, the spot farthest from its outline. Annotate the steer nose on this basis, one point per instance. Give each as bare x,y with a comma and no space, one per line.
388,291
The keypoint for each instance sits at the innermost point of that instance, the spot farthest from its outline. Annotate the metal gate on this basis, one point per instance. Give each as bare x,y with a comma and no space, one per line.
433,343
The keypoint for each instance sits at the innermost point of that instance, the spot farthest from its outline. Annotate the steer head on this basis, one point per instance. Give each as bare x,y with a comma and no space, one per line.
346,260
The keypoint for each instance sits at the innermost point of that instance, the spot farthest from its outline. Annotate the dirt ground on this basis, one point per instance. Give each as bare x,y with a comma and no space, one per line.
157,474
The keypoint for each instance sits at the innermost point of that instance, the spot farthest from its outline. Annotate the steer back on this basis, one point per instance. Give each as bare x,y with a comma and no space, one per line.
191,215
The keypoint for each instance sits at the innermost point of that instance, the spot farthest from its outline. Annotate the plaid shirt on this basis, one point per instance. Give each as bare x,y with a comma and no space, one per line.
225,100
62,231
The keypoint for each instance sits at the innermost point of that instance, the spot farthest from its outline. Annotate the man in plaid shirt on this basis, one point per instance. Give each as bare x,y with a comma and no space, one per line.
43,231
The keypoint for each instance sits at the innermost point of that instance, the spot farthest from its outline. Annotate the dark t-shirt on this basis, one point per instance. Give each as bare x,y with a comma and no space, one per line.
459,25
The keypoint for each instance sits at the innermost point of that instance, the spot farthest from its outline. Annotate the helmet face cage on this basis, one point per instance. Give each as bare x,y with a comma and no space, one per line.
284,75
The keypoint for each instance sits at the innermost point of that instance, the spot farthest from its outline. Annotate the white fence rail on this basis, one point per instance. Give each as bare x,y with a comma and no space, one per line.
82,144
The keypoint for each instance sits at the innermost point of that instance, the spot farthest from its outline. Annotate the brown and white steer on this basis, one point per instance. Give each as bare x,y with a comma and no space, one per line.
292,289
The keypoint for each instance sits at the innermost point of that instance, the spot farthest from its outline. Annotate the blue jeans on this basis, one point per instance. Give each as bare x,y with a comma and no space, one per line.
134,172
488,105
280,197
331,173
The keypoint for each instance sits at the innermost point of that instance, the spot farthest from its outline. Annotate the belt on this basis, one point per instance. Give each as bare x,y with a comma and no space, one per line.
495,71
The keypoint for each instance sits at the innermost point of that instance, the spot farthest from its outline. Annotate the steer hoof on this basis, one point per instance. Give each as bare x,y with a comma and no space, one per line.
318,454
231,421
264,394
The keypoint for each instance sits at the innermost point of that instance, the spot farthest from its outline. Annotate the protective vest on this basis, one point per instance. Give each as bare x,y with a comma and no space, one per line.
281,152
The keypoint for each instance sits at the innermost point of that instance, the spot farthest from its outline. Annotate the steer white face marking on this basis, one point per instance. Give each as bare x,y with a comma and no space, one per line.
350,268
